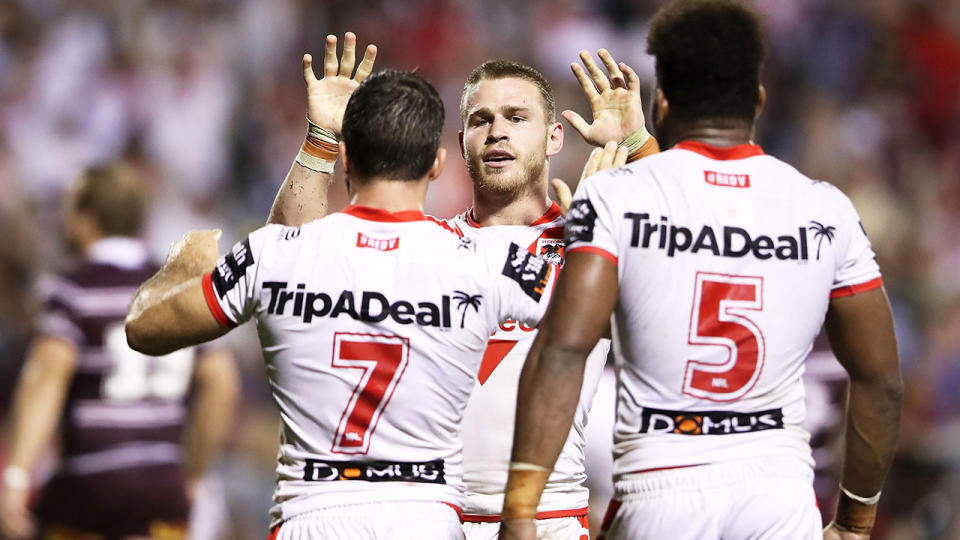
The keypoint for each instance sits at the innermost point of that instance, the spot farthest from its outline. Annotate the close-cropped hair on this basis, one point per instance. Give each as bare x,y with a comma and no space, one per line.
503,69
392,126
115,196
708,55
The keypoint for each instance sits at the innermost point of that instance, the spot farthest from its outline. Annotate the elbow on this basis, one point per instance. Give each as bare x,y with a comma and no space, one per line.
142,340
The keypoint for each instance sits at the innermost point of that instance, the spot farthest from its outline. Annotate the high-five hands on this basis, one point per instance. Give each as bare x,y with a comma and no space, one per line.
614,102
327,97
611,156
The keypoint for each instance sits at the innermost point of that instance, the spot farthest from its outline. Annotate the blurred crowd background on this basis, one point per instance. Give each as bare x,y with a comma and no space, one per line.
205,98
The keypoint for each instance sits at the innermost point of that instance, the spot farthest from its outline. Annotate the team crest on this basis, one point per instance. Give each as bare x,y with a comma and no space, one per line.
551,250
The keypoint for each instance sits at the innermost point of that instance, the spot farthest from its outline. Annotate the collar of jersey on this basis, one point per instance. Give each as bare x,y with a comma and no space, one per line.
721,153
378,214
552,213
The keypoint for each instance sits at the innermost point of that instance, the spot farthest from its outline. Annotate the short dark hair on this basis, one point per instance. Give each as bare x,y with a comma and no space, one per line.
503,69
708,55
392,126
116,198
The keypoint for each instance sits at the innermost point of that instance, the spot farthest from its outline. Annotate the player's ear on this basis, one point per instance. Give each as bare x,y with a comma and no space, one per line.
554,138
761,101
463,149
438,162
663,106
343,158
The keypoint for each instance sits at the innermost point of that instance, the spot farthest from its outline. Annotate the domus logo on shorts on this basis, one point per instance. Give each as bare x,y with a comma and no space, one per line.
708,422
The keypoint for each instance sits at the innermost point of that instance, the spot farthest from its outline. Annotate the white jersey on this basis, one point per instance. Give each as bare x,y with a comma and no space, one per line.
727,259
487,430
373,326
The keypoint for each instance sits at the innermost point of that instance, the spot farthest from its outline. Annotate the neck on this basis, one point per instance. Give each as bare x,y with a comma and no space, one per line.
712,132
511,208
390,195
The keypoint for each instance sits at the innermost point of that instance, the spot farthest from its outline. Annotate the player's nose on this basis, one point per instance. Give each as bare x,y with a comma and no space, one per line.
498,130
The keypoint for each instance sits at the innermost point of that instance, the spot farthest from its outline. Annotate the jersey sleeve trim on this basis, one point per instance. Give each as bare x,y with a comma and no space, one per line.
596,251
850,290
211,297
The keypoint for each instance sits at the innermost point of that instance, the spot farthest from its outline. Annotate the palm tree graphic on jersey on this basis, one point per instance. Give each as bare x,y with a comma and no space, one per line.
465,301
821,231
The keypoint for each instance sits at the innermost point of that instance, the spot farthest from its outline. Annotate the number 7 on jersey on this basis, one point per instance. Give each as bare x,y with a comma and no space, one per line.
382,360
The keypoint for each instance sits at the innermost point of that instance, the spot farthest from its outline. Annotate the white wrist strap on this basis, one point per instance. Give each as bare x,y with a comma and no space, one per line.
314,163
16,477
864,500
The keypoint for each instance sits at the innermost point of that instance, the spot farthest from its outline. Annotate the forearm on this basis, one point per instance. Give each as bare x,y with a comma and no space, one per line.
212,412
873,422
168,312
37,405
302,197
546,403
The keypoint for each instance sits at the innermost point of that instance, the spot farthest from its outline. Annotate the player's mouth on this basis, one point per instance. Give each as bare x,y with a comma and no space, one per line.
498,158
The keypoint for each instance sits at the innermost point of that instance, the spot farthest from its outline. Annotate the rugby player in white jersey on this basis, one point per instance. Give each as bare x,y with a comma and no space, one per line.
719,265
509,133
373,323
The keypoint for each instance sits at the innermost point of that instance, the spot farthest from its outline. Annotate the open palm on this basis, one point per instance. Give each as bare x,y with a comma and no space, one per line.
614,102
327,97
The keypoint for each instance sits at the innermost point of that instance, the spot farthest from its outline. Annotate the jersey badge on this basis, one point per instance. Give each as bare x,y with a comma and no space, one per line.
551,249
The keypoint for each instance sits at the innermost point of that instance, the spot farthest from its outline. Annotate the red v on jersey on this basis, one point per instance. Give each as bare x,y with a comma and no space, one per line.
497,350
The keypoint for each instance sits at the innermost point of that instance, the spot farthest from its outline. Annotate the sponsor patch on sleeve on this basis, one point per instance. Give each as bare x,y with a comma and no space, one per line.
231,267
530,271
580,221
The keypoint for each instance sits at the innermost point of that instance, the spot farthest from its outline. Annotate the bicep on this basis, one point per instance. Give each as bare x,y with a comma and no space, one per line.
584,298
860,328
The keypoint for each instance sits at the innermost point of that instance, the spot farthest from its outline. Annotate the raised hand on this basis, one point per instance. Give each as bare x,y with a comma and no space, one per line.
614,102
327,97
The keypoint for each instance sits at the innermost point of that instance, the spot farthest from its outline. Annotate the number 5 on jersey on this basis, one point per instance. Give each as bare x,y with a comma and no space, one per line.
719,318
382,360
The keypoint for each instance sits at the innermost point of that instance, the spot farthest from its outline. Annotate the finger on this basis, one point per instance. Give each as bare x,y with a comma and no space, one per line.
330,63
577,122
309,76
620,159
592,162
588,88
366,65
599,78
349,58
617,79
633,81
564,196
607,155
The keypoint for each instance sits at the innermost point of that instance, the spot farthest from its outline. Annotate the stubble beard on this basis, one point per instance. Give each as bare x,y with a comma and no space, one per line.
509,184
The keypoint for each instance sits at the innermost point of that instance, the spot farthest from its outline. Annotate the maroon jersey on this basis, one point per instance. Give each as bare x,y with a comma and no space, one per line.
124,414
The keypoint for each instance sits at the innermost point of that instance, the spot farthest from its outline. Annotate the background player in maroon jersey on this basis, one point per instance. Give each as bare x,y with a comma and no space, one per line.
130,450
694,87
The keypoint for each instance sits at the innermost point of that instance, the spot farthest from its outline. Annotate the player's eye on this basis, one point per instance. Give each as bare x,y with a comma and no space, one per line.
479,122
517,118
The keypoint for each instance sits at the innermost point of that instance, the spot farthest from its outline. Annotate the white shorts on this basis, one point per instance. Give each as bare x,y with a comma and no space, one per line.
369,521
759,499
561,528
